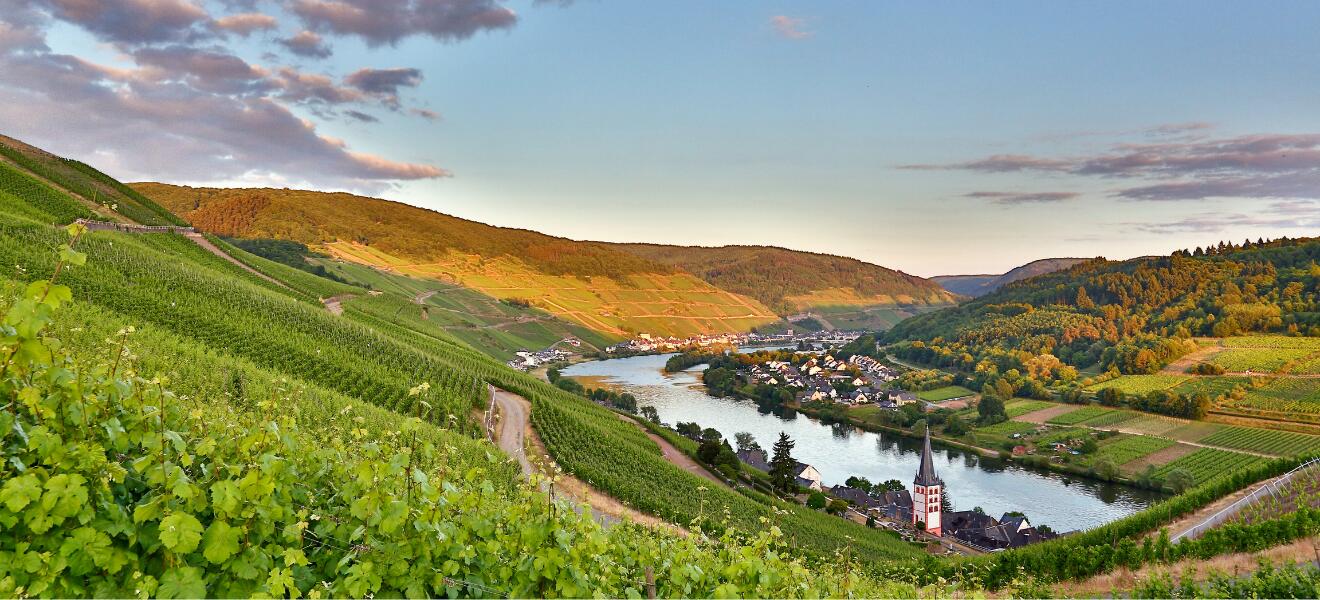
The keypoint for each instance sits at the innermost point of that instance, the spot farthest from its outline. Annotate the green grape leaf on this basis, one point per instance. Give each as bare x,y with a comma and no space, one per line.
226,497
220,542
180,532
182,582
19,491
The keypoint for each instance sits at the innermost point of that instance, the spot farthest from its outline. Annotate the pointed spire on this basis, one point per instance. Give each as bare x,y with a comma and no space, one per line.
926,470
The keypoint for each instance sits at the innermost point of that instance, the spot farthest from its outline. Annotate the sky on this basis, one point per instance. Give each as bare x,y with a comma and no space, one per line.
934,137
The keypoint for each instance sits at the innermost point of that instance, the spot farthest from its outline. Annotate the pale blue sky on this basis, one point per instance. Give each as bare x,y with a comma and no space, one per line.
704,123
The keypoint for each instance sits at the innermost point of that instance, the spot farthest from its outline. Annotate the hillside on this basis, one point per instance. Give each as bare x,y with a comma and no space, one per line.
791,281
596,285
1089,324
979,285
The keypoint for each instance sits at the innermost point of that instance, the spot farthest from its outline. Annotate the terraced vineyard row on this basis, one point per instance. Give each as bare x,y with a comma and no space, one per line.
1265,441
1084,413
1208,463
1130,448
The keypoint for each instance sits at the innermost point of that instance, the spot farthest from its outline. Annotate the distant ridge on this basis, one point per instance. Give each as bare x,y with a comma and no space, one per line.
980,285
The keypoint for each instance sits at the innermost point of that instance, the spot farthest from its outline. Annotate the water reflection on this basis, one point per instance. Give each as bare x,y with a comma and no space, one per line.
839,451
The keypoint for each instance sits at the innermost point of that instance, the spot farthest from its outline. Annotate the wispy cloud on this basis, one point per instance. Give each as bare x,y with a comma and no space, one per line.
381,22
1013,198
1246,166
1297,214
790,27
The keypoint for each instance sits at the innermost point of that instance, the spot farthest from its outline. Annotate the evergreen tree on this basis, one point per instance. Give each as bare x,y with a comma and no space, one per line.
1083,301
782,464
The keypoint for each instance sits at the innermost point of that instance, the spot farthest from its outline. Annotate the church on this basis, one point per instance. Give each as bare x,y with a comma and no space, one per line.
927,493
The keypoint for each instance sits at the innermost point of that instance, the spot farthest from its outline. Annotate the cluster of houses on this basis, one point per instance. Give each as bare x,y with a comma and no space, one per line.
526,360
817,379
650,343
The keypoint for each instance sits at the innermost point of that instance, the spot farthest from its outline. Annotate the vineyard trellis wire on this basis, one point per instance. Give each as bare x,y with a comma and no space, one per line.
1271,489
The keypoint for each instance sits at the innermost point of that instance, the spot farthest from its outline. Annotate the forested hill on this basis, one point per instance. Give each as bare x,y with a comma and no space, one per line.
1132,316
979,285
791,281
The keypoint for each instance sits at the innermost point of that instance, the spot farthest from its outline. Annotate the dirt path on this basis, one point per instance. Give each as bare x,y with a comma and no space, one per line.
334,304
206,244
1180,366
515,436
421,297
678,458
1187,522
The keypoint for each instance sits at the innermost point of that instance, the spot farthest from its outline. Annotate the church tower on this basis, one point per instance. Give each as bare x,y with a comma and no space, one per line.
927,493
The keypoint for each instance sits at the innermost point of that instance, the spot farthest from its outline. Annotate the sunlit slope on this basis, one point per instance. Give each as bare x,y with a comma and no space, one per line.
595,285
495,327
790,281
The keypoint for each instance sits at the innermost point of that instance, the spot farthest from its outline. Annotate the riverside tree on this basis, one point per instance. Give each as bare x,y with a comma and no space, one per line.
782,464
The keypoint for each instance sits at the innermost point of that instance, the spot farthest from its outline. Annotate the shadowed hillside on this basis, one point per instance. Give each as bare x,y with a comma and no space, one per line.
792,281
979,285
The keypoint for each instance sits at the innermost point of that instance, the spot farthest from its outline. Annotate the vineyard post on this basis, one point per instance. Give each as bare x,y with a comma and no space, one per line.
650,583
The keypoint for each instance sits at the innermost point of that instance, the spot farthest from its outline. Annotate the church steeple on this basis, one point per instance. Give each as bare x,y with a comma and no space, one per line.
926,470
927,492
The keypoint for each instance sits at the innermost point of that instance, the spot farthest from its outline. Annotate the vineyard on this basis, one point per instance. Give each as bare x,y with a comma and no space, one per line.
1140,384
1208,463
1111,419
87,182
1084,413
1259,360
1264,441
1129,448
1018,408
234,494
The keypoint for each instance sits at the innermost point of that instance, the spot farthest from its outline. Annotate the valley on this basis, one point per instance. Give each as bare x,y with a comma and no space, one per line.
389,364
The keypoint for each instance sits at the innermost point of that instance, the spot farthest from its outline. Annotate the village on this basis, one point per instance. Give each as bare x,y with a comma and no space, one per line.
856,381
645,343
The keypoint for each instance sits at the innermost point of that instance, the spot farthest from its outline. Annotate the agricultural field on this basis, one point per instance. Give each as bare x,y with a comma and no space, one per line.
1127,448
1140,384
1259,360
1151,424
1285,398
1193,431
1111,419
948,392
1017,408
1084,413
1264,441
1208,463
1214,387
1007,428
1272,341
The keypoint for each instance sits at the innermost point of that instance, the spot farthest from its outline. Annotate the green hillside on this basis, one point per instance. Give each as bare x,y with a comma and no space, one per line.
226,407
84,184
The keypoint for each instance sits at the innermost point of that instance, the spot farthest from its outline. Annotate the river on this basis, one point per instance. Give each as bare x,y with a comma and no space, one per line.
1061,501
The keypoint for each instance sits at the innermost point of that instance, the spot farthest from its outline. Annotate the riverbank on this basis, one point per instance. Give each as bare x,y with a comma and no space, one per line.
976,476
960,445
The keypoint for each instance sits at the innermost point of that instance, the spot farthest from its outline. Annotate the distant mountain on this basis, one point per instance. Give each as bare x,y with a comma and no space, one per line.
794,282
980,285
